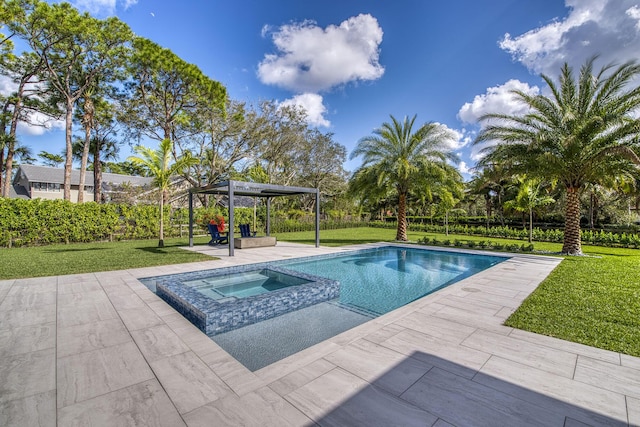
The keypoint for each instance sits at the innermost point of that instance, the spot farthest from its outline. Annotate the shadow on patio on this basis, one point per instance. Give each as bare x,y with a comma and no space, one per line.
424,389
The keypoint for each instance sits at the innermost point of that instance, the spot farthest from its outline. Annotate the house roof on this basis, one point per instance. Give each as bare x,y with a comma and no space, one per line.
56,176
18,192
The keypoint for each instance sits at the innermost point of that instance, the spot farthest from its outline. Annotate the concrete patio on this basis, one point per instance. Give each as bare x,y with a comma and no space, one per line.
102,350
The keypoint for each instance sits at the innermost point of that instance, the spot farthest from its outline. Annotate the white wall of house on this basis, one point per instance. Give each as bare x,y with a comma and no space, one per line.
54,195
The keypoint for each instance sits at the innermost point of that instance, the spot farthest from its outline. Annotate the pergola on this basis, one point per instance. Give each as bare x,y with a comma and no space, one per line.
251,189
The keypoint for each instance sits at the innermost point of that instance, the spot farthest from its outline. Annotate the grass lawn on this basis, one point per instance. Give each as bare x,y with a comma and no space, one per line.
55,260
592,300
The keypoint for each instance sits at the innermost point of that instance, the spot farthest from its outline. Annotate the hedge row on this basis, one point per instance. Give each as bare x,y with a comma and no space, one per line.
592,237
292,225
482,244
41,222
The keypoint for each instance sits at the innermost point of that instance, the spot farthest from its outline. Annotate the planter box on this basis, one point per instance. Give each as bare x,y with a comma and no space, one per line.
253,242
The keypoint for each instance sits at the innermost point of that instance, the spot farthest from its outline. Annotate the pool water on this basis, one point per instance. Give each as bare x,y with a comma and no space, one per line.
381,280
244,284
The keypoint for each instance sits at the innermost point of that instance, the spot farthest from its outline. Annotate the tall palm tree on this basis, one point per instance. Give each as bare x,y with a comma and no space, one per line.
395,156
158,162
583,131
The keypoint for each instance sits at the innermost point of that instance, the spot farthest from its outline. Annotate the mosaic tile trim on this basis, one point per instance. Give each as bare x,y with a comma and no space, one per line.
215,317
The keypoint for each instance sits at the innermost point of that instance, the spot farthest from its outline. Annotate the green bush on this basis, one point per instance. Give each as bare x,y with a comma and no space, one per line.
591,237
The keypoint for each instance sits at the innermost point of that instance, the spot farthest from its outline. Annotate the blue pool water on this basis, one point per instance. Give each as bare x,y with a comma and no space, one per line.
381,280
244,284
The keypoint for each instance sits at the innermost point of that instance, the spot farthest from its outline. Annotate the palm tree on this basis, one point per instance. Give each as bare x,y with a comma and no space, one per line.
583,131
158,162
395,156
529,197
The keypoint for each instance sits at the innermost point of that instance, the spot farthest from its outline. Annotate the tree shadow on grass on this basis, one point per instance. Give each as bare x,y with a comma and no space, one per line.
63,250
156,250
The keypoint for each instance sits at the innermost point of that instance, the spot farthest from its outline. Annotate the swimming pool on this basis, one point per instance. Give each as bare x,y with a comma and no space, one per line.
383,279
259,326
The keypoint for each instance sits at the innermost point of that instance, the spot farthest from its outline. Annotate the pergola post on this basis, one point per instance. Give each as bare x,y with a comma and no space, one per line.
190,219
317,218
231,219
268,230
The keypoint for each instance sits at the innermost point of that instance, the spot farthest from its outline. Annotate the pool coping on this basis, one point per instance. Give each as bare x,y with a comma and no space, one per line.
60,363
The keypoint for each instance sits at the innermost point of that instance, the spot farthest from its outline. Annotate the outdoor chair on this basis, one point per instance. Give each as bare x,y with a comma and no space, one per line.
245,231
216,237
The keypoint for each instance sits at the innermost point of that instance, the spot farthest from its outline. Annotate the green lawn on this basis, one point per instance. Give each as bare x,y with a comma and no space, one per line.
77,258
593,300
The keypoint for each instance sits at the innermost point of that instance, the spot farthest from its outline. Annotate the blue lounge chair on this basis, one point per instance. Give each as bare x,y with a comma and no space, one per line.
216,237
245,231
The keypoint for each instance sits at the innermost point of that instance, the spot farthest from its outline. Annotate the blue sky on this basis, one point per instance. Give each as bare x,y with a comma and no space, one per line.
352,63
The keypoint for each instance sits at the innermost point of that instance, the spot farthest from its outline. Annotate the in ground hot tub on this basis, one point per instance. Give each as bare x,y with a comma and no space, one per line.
224,299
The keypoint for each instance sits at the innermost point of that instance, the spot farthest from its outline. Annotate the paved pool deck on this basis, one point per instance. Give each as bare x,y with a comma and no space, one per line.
102,350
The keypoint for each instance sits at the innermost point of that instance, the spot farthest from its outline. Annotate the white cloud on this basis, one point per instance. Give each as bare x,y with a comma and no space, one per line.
103,7
609,28
458,139
634,12
312,104
41,125
313,59
463,168
497,99
40,122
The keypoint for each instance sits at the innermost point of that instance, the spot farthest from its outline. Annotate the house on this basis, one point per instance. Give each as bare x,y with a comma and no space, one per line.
45,182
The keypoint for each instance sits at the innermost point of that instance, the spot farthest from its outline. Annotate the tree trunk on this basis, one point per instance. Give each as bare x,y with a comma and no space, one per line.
68,164
8,167
530,225
97,174
446,223
487,201
161,241
571,244
11,141
1,171
401,234
83,162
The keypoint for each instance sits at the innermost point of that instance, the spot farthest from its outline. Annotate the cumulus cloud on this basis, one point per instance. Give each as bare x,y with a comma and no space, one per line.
311,59
459,138
312,104
464,168
39,122
103,7
609,28
497,99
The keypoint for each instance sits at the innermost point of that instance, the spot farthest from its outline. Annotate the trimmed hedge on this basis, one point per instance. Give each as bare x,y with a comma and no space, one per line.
591,237
292,225
40,222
